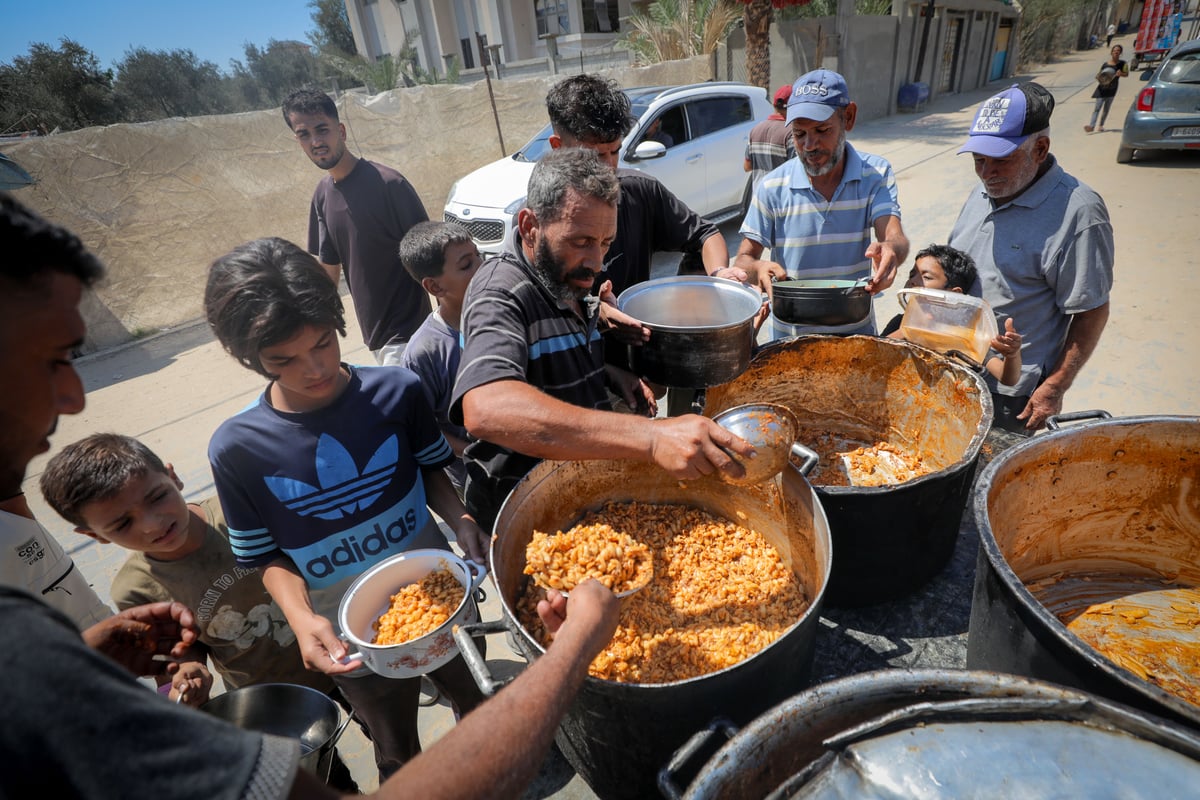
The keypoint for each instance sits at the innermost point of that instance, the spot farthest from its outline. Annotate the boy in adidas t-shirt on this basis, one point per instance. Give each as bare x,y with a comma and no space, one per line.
331,470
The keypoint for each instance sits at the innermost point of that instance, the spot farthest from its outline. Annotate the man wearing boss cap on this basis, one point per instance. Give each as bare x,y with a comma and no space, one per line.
1043,245
817,211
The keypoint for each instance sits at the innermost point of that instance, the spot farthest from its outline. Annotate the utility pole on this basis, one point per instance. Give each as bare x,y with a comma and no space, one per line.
487,76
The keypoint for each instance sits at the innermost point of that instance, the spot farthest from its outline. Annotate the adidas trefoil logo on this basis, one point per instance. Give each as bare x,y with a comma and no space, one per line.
344,489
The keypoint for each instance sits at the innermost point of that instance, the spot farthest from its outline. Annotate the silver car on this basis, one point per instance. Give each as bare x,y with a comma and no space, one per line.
692,138
1166,113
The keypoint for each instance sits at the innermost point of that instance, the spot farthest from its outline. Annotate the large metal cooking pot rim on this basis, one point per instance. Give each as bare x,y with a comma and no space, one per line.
808,289
721,284
915,683
448,555
970,454
814,606
1030,604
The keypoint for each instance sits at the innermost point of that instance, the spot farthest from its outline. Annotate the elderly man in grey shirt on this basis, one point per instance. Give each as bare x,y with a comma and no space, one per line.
1043,244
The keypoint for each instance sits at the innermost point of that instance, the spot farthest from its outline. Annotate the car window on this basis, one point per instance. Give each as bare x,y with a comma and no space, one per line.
711,114
537,147
669,128
1183,68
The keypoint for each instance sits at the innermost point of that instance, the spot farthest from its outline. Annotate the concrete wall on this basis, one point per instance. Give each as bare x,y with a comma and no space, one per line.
158,201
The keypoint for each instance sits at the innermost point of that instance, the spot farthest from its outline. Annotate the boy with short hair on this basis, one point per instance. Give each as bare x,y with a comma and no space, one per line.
333,469
940,266
116,490
441,257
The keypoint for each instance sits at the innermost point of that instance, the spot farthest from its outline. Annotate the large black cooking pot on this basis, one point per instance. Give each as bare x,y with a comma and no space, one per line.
1111,500
617,735
813,302
887,540
943,733
701,329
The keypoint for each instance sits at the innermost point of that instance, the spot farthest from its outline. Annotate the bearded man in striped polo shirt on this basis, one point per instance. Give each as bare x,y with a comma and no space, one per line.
817,212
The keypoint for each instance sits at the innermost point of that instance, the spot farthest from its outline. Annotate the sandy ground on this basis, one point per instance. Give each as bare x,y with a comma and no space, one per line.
172,391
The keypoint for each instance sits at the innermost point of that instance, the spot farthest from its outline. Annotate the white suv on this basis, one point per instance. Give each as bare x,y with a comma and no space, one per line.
697,150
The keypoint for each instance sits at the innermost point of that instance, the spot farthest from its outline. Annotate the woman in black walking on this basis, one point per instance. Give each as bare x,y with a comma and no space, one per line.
1107,78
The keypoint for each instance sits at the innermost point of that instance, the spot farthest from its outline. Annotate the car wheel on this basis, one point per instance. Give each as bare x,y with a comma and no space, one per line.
1133,65
1124,154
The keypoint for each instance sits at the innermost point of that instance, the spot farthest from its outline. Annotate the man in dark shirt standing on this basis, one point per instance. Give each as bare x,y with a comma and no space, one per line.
589,111
360,211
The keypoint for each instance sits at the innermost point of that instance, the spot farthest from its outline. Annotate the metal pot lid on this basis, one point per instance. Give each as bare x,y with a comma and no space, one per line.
690,303
1002,748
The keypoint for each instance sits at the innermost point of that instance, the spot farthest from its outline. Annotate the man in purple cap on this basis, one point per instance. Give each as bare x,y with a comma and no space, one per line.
770,144
1043,244
818,210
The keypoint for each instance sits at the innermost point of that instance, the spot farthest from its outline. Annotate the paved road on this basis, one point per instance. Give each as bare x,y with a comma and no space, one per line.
174,389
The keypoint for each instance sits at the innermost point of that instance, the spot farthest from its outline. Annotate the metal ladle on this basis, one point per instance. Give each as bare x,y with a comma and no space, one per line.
771,428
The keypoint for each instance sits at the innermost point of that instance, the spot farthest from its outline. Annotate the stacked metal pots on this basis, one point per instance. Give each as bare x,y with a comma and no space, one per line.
617,735
887,540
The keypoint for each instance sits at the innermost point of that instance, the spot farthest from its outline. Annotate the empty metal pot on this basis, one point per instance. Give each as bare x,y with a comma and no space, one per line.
285,709
701,329
1082,513
818,302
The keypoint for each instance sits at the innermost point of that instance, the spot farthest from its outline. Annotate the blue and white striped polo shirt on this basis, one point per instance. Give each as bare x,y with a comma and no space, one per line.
818,239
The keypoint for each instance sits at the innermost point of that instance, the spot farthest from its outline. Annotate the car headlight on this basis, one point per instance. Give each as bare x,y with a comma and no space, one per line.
515,205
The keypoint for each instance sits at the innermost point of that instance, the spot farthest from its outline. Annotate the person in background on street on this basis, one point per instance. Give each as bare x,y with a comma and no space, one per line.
359,213
104,734
442,257
1107,78
1043,245
533,380
770,144
332,470
942,267
818,210
655,133
1112,31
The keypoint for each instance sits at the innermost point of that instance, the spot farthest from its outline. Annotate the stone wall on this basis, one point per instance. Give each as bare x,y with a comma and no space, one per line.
158,201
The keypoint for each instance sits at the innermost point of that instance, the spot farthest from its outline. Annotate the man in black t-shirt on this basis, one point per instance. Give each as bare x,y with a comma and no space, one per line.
360,211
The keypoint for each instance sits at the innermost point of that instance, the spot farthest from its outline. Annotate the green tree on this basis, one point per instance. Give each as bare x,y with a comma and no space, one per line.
275,70
152,84
333,27
56,88
672,29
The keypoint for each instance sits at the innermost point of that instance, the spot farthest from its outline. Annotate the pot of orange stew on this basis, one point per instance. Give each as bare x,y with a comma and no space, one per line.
706,637
898,429
1089,561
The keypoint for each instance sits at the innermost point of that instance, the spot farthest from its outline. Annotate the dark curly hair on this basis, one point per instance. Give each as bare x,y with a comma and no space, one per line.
33,248
263,293
958,266
589,109
93,470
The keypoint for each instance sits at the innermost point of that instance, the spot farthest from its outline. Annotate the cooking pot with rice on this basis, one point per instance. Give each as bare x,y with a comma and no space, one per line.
1089,561
617,734
899,430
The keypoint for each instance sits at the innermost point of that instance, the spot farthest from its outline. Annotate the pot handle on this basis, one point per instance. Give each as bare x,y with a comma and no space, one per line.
967,361
1055,421
470,653
809,457
333,740
477,572
698,741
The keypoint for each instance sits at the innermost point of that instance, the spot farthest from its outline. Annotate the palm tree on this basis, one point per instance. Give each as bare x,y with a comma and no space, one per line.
756,18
